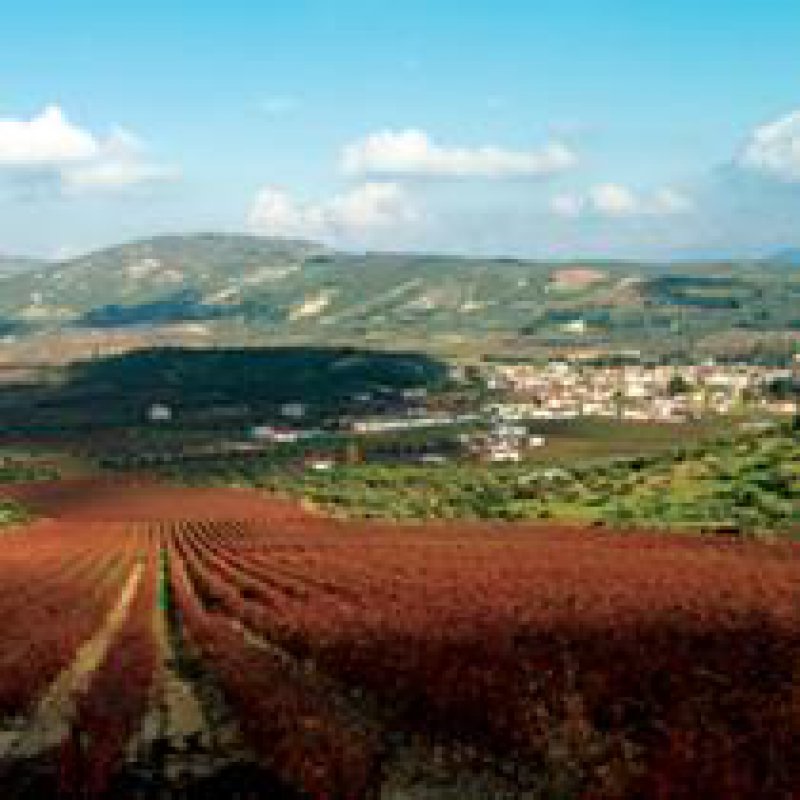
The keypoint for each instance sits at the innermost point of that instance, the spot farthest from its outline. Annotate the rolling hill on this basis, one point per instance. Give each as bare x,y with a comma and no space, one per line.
13,265
233,286
790,257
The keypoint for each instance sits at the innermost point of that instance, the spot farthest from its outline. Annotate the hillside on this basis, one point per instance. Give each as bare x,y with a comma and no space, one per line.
294,290
12,265
789,256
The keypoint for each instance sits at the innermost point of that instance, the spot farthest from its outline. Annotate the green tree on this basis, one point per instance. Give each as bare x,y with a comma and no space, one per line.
678,385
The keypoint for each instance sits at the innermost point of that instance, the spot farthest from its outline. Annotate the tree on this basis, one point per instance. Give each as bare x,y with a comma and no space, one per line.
678,385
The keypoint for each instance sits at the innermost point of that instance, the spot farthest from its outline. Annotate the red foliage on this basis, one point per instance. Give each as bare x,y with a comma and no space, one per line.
622,666
671,662
58,581
288,721
114,705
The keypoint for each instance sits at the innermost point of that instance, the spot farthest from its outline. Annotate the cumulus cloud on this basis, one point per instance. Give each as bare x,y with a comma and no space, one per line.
49,146
45,140
567,205
413,153
615,200
352,216
120,162
774,149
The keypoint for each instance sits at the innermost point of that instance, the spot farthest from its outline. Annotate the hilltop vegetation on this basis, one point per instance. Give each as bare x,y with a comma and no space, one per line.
254,382
274,375
233,287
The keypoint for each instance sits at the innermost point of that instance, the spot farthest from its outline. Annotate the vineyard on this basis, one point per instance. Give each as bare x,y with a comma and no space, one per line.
209,643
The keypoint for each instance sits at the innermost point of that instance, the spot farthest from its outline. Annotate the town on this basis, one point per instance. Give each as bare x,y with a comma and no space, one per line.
491,412
641,392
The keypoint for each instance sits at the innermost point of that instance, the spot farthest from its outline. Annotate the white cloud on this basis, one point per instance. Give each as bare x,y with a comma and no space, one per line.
671,201
275,212
372,205
567,205
120,163
45,140
367,209
412,153
615,200
774,148
49,145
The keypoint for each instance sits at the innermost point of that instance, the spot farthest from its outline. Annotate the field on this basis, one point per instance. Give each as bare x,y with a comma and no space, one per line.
21,465
700,479
208,641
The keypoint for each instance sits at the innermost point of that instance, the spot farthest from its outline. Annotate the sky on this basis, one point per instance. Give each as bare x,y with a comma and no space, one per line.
578,128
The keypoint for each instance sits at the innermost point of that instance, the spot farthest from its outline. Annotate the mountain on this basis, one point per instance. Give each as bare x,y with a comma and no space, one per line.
789,256
12,265
161,271
263,289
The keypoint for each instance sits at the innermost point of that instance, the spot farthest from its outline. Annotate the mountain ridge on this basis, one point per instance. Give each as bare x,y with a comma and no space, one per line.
304,290
788,255
11,265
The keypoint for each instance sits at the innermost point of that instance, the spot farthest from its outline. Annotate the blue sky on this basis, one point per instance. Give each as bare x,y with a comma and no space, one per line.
580,127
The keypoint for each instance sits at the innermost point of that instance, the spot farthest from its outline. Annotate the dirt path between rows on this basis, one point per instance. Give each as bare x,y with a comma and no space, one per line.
189,735
49,723
176,736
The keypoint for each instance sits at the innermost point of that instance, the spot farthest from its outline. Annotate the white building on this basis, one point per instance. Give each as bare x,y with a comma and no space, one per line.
267,433
503,452
321,464
159,412
293,410
577,326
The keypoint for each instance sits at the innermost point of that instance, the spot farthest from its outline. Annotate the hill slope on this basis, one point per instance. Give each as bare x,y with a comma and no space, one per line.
790,257
13,265
301,290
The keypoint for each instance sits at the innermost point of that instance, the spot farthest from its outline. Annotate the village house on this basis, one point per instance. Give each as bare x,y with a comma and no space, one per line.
159,412
630,391
293,410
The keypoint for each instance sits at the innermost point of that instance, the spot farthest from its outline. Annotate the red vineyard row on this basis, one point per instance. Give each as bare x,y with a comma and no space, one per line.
636,667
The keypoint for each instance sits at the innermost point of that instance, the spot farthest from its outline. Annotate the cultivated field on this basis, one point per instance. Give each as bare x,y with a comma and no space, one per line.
166,642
